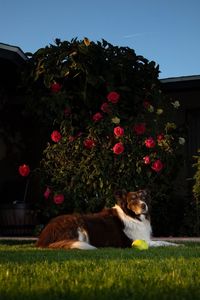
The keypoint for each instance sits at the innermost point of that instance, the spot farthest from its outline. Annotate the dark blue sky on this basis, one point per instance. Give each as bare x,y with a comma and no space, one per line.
166,31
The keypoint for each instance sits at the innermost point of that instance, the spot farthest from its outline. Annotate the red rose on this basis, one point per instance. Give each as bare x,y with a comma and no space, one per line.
146,160
89,143
58,199
56,136
160,137
24,170
139,128
105,107
157,166
118,148
47,193
113,97
56,87
67,112
97,117
119,131
150,143
146,104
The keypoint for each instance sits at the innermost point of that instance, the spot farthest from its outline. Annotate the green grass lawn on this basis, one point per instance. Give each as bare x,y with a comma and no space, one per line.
159,273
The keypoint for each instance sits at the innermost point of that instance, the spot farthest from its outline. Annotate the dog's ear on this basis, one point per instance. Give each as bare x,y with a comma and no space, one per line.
143,193
120,196
146,195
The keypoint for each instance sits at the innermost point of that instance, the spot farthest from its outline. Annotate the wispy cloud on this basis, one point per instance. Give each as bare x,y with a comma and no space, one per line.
129,36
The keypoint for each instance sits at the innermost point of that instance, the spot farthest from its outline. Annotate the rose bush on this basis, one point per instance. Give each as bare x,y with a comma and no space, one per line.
111,126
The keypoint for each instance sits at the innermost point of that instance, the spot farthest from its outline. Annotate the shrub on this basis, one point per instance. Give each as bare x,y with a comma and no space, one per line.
196,186
111,126
196,192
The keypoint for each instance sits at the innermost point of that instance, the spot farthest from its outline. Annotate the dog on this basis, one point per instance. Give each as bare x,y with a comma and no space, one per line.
118,226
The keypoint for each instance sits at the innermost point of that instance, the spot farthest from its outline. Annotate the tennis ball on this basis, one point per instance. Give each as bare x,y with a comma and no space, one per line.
140,245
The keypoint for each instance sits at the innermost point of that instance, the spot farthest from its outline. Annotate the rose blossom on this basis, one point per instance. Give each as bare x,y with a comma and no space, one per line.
56,136
119,131
47,193
97,117
56,87
105,107
147,160
146,104
71,138
58,199
150,143
89,143
67,112
113,97
157,166
139,128
160,137
24,170
118,148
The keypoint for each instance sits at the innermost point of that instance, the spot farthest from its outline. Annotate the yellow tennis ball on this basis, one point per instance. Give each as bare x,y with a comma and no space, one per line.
140,244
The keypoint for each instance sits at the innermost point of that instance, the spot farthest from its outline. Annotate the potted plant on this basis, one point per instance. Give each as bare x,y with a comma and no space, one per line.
19,218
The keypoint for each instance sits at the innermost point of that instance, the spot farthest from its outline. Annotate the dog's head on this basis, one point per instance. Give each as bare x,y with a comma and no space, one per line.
133,203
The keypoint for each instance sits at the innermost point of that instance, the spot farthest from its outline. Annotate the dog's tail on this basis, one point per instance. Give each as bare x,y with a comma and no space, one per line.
49,238
71,244
66,244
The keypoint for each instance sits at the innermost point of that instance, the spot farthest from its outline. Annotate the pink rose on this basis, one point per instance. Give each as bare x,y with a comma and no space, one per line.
146,160
58,199
71,138
157,166
89,143
105,107
150,143
97,117
47,193
24,170
56,136
118,148
119,131
113,97
140,128
56,87
79,134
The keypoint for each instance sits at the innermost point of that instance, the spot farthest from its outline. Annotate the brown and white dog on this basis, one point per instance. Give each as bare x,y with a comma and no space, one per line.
118,226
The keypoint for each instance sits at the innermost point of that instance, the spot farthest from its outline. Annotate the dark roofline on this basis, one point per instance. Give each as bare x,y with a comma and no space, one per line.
12,53
181,83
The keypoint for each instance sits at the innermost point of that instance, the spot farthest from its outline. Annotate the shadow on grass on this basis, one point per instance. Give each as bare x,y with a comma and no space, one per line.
126,292
26,252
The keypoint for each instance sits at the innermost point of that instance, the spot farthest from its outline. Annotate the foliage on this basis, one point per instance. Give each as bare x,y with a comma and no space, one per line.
196,191
28,272
196,186
111,125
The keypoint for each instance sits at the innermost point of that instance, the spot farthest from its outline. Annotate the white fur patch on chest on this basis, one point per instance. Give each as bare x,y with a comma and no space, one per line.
135,229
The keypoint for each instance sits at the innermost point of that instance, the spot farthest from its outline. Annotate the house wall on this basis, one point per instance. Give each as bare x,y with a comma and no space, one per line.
189,118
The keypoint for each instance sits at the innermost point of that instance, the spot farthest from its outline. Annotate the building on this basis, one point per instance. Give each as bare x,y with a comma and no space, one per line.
11,60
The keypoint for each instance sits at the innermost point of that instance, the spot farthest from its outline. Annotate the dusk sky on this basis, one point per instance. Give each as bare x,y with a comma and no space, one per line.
166,31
